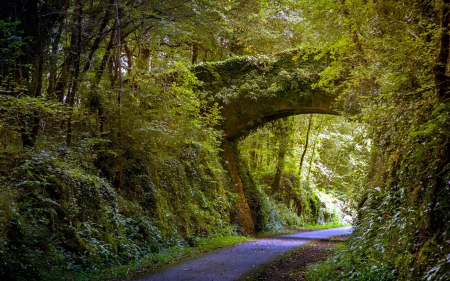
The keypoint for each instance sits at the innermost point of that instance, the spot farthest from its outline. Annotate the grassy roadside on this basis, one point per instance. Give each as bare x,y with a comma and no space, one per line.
152,262
324,226
303,228
344,265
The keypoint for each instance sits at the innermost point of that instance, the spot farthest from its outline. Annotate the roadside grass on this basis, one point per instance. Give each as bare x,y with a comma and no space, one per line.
305,227
277,231
324,226
152,262
344,265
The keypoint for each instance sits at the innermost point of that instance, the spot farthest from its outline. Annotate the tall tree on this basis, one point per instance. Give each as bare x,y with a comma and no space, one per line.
284,131
305,147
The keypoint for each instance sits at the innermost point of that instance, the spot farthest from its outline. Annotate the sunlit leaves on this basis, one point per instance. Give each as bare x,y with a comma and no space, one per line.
335,162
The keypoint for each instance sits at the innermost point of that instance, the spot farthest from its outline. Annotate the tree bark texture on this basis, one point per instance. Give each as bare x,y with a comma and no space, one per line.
242,206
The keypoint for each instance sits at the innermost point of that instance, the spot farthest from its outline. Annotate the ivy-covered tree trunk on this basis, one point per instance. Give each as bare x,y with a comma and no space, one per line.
230,155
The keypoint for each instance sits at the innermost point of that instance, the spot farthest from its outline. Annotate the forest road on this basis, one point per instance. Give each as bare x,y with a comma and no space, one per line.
231,263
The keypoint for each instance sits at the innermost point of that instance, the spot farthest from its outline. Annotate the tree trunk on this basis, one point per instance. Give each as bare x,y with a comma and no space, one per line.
306,145
284,145
229,154
119,71
75,66
53,69
195,49
29,123
442,80
254,154
319,129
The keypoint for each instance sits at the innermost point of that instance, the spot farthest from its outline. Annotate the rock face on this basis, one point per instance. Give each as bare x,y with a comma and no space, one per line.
254,91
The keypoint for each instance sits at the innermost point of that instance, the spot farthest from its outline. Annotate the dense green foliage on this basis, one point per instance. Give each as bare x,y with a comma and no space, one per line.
394,56
56,214
110,150
322,189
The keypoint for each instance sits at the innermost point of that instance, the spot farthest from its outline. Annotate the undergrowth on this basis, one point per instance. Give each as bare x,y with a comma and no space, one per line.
346,266
402,230
151,262
58,215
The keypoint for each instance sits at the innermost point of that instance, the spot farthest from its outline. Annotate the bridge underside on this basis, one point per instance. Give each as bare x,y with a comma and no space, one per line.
242,115
252,92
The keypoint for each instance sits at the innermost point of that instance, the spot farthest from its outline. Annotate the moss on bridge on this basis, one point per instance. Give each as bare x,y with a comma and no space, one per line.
256,90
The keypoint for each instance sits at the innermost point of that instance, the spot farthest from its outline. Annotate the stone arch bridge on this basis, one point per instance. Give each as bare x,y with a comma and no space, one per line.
252,91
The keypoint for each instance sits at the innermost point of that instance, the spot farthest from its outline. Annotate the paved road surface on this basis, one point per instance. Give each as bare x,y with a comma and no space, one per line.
233,262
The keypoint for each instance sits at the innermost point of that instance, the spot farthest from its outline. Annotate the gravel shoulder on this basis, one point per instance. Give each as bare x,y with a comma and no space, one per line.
236,262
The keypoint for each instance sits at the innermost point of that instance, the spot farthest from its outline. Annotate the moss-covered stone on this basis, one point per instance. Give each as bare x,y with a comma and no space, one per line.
254,90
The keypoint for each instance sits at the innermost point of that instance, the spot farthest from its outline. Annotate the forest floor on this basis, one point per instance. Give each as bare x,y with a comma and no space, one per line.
293,265
256,260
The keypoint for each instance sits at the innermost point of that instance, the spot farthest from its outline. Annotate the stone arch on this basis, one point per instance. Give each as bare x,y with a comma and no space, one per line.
252,91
